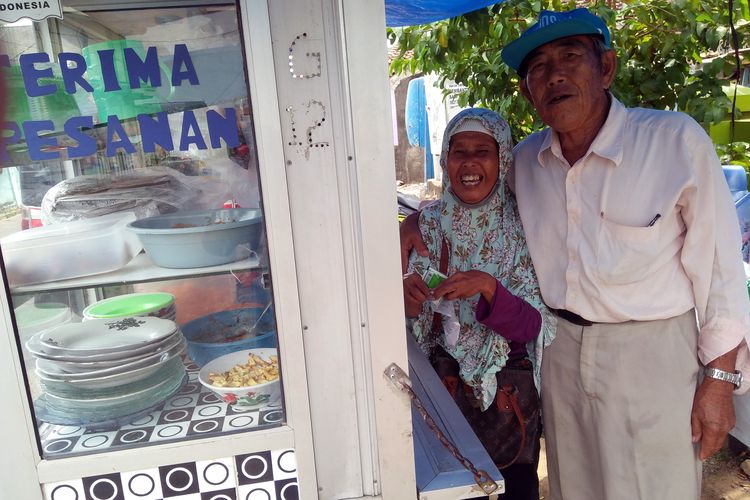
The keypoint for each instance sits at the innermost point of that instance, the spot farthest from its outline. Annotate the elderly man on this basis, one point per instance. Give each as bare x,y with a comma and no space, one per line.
633,234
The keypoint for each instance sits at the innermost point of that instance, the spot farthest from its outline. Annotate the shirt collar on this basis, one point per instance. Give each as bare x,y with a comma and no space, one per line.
607,144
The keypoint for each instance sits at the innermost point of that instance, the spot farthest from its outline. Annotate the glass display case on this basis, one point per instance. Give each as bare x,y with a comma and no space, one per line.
138,131
137,265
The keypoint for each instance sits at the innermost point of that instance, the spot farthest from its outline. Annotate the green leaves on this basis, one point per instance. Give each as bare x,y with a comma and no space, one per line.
744,9
660,46
736,153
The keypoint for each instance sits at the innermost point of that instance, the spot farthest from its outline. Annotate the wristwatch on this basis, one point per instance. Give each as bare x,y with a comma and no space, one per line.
733,378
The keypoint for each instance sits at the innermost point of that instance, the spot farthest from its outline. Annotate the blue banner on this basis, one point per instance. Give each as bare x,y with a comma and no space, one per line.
411,12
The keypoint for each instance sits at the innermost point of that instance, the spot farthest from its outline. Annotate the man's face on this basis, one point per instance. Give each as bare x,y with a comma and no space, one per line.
566,81
473,165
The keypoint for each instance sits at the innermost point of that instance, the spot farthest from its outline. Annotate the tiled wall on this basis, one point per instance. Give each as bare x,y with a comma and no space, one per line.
266,475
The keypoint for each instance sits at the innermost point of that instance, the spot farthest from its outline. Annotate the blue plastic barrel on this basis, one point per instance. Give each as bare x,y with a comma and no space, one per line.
417,124
743,215
737,179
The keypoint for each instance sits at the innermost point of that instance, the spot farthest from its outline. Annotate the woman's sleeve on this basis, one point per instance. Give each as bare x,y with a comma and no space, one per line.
510,316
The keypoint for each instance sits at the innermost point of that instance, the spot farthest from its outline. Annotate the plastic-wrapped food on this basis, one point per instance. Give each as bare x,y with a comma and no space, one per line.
146,192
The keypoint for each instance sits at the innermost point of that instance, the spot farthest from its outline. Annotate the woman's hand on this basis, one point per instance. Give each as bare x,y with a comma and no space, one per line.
466,284
411,237
415,294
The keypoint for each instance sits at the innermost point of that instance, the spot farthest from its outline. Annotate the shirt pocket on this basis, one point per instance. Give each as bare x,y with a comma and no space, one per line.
628,254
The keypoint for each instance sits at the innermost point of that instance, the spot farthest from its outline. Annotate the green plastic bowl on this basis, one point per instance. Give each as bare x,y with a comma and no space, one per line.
132,304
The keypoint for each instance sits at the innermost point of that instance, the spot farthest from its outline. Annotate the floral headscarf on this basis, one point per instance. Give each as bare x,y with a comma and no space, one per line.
488,237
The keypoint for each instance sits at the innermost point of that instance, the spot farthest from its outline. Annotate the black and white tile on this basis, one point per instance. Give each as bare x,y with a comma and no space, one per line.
142,484
265,475
104,487
268,475
218,474
93,441
178,480
65,491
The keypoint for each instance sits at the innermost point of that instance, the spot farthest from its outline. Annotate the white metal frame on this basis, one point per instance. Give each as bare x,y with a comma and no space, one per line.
18,475
22,469
333,245
320,248
343,210
384,338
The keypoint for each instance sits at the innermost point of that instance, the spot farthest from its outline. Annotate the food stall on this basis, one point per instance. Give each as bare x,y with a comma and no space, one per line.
202,299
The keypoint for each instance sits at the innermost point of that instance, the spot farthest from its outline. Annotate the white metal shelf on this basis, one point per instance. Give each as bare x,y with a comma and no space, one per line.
138,270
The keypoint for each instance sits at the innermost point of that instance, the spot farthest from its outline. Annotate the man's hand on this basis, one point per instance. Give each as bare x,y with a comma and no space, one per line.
713,415
415,294
411,237
466,284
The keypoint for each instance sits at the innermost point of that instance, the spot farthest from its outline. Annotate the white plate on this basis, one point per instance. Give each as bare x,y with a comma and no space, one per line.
90,366
103,336
113,380
172,316
139,395
56,371
40,351
107,420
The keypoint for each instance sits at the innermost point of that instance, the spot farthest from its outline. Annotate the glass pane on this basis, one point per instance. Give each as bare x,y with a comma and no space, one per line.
133,238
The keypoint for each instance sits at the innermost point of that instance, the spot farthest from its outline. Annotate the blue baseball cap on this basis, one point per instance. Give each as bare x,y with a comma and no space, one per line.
553,26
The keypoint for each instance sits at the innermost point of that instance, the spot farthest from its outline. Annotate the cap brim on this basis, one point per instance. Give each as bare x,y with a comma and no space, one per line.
515,52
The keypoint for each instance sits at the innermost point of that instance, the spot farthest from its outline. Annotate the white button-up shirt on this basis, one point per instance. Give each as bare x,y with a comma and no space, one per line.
642,227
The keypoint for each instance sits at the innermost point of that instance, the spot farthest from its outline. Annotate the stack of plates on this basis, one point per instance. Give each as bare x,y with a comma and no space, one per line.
33,318
105,370
157,304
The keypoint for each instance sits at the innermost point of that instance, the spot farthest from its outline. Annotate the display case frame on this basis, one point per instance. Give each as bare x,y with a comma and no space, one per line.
350,430
26,470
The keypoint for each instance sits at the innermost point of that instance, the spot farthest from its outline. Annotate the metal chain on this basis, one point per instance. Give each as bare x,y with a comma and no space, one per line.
397,376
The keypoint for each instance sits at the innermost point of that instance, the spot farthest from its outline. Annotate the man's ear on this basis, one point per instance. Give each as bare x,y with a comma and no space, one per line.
524,89
609,67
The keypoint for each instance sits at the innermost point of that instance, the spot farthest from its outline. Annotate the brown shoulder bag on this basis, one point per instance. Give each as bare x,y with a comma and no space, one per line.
509,429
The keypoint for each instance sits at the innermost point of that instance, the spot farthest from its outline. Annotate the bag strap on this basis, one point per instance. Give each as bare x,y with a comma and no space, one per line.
437,318
443,267
450,382
512,394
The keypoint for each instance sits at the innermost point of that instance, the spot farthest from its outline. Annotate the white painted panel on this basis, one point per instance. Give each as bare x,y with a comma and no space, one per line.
307,117
384,336
18,476
268,134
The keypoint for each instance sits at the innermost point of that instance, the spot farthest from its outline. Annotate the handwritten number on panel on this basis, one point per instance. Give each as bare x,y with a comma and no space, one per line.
314,116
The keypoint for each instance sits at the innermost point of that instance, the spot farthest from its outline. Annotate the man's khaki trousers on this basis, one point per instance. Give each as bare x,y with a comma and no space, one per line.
617,401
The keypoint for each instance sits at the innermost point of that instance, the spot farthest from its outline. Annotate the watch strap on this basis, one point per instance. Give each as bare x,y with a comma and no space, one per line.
731,377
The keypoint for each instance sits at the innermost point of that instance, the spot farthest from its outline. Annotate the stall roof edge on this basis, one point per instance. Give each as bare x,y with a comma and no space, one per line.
398,13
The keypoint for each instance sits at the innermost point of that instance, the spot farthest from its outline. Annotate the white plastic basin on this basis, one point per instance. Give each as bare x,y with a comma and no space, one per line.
69,249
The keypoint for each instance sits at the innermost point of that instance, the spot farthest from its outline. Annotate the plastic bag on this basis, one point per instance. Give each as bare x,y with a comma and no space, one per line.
146,192
451,326
226,181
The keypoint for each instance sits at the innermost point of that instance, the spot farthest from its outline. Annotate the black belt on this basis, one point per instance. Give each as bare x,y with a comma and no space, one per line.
572,317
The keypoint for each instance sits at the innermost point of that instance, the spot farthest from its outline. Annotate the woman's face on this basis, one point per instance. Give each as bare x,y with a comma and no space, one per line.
473,165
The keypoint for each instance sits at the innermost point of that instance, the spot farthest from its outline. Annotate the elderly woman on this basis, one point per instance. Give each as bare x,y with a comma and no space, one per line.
488,314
